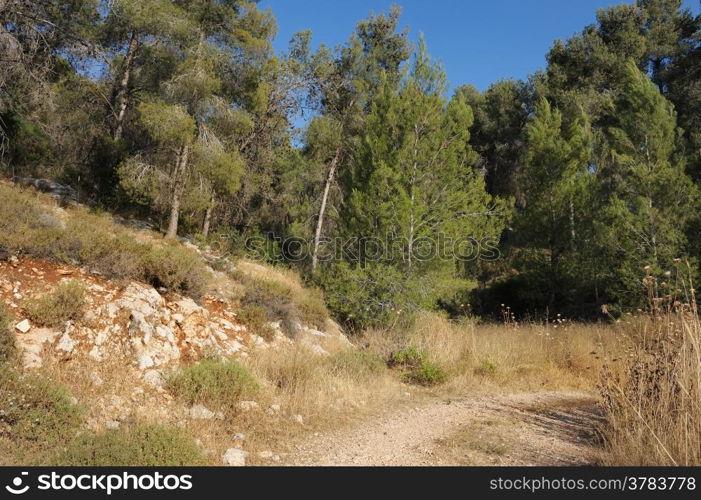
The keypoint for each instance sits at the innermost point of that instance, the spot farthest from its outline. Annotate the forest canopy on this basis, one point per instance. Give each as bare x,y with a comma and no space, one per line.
564,193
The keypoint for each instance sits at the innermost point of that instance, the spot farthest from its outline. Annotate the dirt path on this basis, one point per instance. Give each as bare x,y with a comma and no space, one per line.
548,428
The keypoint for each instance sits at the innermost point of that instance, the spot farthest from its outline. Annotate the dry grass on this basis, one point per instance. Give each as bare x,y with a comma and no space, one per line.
653,402
65,302
500,358
31,224
280,295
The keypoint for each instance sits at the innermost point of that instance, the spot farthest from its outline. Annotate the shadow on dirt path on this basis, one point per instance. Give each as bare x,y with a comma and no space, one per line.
545,428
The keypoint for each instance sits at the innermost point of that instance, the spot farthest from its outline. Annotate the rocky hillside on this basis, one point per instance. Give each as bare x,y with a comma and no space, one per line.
123,338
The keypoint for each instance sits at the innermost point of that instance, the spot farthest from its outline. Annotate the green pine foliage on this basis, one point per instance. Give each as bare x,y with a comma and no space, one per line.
579,182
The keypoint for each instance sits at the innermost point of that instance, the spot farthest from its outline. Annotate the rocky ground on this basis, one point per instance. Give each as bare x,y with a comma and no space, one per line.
117,357
132,336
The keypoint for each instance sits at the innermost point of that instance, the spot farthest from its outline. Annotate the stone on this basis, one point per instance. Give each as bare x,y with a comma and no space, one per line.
240,436
66,343
317,349
178,318
200,412
96,353
265,454
112,424
188,306
314,332
234,457
153,378
145,361
246,405
23,326
297,418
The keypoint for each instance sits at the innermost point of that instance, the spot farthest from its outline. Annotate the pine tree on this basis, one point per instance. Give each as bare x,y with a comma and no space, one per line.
413,184
648,197
555,181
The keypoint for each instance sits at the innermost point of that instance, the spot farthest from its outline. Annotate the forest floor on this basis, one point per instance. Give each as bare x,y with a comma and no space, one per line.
535,428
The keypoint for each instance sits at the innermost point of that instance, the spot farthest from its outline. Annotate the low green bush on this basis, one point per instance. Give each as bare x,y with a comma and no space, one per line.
176,268
279,302
27,227
34,410
136,445
65,302
255,318
376,295
416,367
8,346
213,383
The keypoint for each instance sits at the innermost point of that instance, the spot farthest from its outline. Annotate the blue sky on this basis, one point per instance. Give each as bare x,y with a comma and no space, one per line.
479,41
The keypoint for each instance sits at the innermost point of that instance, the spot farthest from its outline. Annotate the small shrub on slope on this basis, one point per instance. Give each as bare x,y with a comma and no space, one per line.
213,383
65,302
137,445
8,347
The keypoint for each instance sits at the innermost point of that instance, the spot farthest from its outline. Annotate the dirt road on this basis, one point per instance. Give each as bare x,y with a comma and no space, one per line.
545,428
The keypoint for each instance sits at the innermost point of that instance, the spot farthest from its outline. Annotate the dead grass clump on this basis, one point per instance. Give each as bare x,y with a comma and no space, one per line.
500,357
653,402
282,295
326,389
359,363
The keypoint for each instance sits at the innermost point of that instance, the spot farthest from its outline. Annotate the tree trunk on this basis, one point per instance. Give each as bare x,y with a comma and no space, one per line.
180,164
208,217
121,94
322,209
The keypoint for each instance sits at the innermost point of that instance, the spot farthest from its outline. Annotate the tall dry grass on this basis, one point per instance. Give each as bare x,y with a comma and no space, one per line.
505,357
653,401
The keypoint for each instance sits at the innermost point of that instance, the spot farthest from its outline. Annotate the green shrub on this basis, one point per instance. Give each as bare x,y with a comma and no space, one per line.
63,303
214,383
8,346
312,307
255,318
176,268
137,445
359,363
364,297
279,302
486,368
93,240
34,410
417,368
